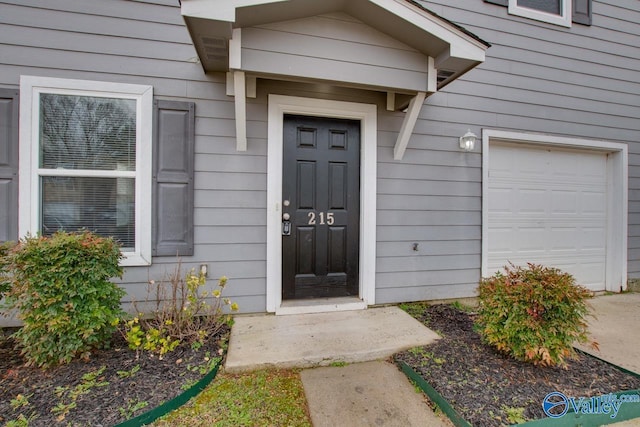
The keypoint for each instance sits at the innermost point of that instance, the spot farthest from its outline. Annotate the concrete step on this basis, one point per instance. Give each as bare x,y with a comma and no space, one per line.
310,340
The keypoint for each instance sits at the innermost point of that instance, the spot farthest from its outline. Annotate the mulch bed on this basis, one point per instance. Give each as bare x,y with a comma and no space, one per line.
480,383
155,382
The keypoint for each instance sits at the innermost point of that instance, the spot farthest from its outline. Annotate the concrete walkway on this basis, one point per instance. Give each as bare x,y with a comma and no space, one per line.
363,395
616,328
371,393
377,393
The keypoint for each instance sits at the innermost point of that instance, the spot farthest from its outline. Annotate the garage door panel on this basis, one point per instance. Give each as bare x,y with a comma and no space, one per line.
587,273
500,240
534,165
594,203
563,238
530,239
500,200
548,206
564,202
530,201
594,238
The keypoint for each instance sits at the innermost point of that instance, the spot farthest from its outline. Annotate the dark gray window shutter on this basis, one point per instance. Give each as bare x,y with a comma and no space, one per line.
173,168
581,12
8,164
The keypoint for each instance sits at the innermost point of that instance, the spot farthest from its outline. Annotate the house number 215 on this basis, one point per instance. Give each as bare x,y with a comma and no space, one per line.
322,218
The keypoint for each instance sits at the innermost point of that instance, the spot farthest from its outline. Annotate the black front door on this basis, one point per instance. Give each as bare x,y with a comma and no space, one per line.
321,207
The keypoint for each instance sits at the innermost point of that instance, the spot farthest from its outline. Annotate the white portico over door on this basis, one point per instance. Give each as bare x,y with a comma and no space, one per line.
396,48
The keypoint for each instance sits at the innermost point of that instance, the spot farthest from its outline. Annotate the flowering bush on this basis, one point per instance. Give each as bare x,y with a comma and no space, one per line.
534,314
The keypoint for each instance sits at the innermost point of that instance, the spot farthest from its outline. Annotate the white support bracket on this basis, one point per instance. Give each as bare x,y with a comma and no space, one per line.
410,118
432,76
391,101
239,89
251,88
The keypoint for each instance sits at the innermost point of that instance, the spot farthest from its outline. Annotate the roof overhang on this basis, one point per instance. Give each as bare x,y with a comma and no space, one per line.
454,49
433,51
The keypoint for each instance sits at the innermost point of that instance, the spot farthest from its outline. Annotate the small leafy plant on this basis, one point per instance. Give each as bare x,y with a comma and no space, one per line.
182,314
130,373
20,401
514,415
61,289
133,405
533,313
69,396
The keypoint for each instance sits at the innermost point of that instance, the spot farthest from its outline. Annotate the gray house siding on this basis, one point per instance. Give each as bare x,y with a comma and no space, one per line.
582,82
334,46
147,43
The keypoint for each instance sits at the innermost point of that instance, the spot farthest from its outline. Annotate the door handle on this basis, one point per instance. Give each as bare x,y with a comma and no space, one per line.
286,216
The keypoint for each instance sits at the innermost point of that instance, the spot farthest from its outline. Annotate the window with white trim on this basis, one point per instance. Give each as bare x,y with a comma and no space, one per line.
85,161
552,11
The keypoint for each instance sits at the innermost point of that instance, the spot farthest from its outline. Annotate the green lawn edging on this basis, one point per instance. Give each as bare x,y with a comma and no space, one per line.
157,412
626,412
435,397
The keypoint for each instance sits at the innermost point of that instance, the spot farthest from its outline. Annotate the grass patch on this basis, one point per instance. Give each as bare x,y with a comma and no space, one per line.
261,398
415,309
464,307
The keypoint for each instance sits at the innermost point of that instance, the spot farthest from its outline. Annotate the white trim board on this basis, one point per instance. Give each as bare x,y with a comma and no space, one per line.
29,183
617,195
280,105
563,19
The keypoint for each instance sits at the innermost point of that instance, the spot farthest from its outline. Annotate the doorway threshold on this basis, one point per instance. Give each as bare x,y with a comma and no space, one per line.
320,305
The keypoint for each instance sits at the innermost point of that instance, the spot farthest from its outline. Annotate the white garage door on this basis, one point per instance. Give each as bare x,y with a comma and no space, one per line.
548,206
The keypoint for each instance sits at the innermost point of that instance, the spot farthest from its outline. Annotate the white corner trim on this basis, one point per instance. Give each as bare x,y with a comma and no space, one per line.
564,19
409,123
29,185
617,195
367,114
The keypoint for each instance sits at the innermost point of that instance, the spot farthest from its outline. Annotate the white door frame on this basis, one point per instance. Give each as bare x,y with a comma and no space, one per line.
617,196
279,105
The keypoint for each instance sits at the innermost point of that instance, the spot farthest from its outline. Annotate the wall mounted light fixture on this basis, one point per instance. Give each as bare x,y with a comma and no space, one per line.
468,140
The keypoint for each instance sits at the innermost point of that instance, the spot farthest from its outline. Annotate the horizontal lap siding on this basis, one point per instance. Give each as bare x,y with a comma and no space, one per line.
333,47
429,201
147,43
582,82
578,82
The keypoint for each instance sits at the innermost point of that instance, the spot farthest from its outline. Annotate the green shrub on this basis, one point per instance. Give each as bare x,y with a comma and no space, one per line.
533,313
61,288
